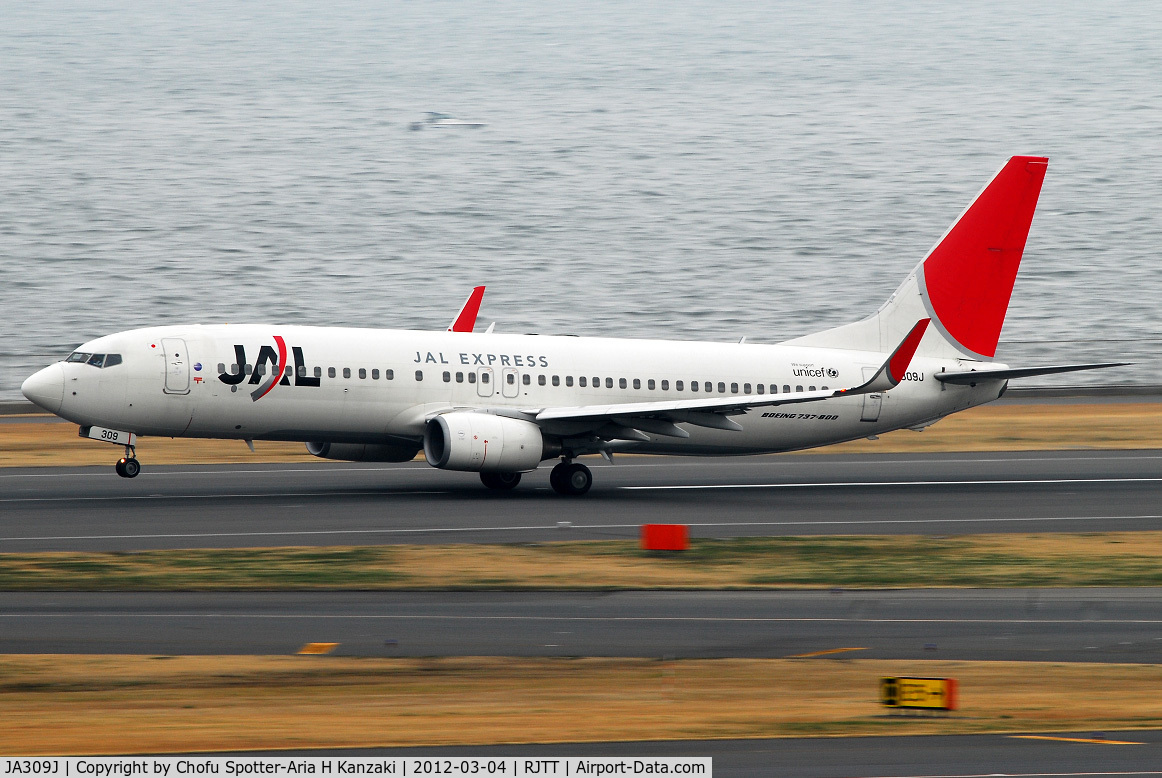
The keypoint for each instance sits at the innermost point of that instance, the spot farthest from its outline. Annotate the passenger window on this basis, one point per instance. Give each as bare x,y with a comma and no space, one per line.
710,387
447,377
734,388
330,372
287,372
665,385
302,371
419,375
650,384
608,383
760,387
581,381
541,379
693,386
526,379
318,372
721,388
485,378
596,382
459,377
222,367
746,388
811,388
798,388
375,374
677,386
363,372
637,383
786,388
568,380
261,369
346,372
112,359
556,380
824,388
511,379
621,384
389,374
471,378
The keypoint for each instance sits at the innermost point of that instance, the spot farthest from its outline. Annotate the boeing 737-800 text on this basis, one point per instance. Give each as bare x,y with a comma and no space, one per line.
501,404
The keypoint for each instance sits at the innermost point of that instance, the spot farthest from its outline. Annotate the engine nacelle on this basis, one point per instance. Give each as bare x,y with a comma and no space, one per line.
364,452
483,442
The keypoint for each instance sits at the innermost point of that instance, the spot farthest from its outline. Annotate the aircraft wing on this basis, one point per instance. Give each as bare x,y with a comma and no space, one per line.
466,319
968,377
659,416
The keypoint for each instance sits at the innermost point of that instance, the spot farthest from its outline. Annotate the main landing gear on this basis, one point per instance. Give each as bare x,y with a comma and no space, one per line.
128,466
570,478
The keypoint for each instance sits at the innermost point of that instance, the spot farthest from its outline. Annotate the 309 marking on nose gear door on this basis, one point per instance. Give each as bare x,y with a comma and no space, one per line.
108,435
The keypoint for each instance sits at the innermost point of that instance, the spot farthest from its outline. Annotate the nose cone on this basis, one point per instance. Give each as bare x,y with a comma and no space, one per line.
46,388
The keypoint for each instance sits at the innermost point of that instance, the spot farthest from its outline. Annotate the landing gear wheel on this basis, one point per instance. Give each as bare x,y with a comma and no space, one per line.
503,481
571,478
128,467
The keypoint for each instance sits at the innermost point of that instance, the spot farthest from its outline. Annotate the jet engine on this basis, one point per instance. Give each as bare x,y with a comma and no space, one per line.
402,451
483,442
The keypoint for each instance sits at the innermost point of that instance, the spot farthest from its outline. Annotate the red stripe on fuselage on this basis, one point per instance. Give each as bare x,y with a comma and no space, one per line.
281,367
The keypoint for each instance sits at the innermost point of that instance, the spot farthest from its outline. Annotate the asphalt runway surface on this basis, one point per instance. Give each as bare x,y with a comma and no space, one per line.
1060,625
45,509
1133,753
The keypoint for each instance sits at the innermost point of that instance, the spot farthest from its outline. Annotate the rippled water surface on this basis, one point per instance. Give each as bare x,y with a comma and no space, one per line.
686,170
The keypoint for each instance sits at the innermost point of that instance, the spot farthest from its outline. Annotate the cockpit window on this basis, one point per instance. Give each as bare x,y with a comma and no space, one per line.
96,360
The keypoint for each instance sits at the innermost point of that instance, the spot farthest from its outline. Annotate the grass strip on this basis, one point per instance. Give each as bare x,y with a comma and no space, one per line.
120,704
1034,427
979,561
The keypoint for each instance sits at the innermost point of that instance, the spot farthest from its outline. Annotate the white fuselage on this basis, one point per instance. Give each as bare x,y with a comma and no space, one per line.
336,385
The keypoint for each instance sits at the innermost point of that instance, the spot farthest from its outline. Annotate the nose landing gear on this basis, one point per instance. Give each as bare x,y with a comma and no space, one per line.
570,478
128,466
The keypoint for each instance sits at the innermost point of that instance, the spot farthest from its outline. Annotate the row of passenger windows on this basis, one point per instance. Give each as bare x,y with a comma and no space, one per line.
624,383
542,380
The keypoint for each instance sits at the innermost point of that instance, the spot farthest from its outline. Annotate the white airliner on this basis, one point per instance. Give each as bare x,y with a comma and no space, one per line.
501,404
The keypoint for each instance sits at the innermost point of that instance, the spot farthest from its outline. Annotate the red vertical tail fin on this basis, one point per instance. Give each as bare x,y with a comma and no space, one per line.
967,279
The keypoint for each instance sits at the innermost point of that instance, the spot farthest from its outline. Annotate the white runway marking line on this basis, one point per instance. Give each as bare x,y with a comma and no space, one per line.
389,491
555,529
835,484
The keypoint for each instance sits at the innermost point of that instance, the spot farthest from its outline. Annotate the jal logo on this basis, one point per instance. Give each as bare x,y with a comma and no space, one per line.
276,356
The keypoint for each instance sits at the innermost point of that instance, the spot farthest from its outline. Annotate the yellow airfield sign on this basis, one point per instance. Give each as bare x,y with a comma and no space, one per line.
918,693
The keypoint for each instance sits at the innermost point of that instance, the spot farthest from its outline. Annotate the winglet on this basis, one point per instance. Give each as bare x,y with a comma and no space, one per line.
893,370
466,319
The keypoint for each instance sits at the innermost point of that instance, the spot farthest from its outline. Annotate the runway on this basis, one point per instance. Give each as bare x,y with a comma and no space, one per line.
1123,754
1060,625
351,504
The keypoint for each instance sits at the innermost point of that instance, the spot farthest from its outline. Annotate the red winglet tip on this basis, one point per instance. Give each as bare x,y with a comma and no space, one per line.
467,318
898,364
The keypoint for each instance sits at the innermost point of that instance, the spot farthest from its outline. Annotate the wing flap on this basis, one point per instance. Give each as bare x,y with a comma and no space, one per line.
713,411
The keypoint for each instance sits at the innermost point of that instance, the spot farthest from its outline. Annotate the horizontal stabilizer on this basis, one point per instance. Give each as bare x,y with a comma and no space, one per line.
976,376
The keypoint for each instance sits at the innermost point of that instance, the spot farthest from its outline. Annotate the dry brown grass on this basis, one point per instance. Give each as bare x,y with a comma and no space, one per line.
987,428
124,704
1052,559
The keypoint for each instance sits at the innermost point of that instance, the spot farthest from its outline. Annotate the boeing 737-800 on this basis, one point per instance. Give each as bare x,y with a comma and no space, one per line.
501,404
